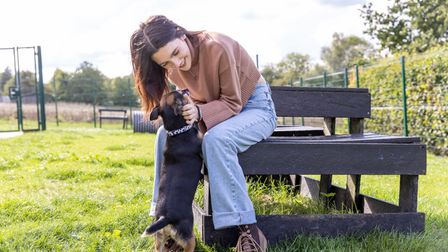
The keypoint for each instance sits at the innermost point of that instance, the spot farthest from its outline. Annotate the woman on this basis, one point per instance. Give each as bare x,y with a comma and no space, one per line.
230,101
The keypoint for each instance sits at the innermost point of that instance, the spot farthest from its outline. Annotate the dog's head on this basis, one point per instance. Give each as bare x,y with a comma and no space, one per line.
170,109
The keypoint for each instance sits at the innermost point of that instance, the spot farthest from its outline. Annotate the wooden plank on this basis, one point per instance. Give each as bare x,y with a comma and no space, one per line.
281,227
350,138
408,193
333,158
207,200
329,126
326,179
367,204
353,184
309,188
297,131
373,205
352,192
321,102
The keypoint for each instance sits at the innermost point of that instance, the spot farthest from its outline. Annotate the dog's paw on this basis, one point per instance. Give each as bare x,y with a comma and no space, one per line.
145,234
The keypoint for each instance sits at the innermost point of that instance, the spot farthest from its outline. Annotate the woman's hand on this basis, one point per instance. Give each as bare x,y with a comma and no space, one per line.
190,112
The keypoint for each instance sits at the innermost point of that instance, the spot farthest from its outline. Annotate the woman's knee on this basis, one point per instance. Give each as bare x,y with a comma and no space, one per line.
215,139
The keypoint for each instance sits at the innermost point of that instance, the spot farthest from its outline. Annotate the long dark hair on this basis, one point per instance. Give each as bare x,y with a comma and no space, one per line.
150,78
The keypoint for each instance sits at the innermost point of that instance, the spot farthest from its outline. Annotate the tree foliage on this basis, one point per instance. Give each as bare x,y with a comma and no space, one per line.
412,25
121,91
27,84
5,77
346,51
86,85
288,70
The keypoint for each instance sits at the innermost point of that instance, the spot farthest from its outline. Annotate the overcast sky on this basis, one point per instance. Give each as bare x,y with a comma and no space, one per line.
98,31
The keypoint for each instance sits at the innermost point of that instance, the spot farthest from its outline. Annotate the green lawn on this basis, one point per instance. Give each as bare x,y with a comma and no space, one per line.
76,188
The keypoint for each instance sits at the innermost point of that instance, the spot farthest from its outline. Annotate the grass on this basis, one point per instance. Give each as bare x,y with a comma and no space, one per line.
76,188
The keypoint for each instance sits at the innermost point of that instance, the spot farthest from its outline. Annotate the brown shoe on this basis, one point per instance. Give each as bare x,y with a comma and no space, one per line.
251,239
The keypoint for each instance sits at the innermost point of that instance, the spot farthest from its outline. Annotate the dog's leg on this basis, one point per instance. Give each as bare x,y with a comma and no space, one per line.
160,242
191,244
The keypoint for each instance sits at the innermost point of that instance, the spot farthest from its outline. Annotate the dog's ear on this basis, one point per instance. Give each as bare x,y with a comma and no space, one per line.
154,113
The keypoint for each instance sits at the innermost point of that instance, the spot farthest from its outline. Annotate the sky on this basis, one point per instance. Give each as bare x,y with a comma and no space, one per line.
98,31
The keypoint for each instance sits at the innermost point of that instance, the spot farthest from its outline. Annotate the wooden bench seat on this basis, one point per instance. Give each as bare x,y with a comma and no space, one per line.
319,151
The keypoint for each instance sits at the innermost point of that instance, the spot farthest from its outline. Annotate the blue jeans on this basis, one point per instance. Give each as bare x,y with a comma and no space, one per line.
220,147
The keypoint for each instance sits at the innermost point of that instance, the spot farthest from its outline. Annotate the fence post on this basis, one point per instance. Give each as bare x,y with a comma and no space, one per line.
129,102
325,79
345,78
43,119
55,99
256,58
94,105
357,76
405,108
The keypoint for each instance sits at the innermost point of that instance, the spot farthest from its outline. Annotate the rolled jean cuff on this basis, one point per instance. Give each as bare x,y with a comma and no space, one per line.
152,210
230,219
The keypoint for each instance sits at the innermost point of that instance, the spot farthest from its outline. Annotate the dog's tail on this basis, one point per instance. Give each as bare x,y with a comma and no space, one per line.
154,227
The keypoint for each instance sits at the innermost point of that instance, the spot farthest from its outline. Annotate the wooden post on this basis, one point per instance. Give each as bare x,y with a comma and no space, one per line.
326,179
353,184
207,196
408,193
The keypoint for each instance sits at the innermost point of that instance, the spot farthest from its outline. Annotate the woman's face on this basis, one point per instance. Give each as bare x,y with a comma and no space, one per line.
174,55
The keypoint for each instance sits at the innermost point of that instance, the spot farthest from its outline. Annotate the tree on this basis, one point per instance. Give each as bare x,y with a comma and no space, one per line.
288,70
5,77
346,51
412,25
86,85
270,73
58,85
292,67
27,84
122,91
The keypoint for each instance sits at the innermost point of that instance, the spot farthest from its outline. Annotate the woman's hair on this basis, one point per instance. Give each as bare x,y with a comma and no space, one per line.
150,78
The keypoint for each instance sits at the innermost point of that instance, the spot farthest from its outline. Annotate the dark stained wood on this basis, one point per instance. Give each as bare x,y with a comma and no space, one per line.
310,188
350,138
280,227
207,197
352,192
367,204
326,179
333,158
329,126
374,205
408,193
297,131
356,126
321,102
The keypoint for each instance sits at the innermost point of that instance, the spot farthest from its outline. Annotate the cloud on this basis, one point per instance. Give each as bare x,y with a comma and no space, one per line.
342,3
71,32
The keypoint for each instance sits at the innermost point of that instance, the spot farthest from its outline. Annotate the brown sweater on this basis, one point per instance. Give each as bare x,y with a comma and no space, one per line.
221,79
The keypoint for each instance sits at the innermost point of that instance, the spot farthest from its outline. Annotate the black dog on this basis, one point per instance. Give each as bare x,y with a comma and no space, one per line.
179,176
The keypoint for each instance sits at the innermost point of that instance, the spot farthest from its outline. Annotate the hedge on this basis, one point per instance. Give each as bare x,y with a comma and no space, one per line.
427,97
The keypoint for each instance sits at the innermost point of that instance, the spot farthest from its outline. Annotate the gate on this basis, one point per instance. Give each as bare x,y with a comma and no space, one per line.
23,96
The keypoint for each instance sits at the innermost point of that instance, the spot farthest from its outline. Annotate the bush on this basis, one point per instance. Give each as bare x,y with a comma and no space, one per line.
427,97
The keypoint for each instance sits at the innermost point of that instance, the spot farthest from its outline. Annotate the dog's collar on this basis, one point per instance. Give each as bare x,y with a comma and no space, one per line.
180,131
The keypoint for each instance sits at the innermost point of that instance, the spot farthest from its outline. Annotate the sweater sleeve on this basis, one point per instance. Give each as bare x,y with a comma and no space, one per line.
229,102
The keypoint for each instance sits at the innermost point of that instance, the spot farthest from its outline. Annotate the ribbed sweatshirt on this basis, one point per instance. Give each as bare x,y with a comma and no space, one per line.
221,79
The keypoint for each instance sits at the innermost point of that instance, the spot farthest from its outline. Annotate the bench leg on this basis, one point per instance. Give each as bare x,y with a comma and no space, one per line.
207,198
408,193
325,188
352,193
296,181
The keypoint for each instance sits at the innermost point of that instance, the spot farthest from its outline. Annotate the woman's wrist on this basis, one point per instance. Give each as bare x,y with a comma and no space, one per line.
199,113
